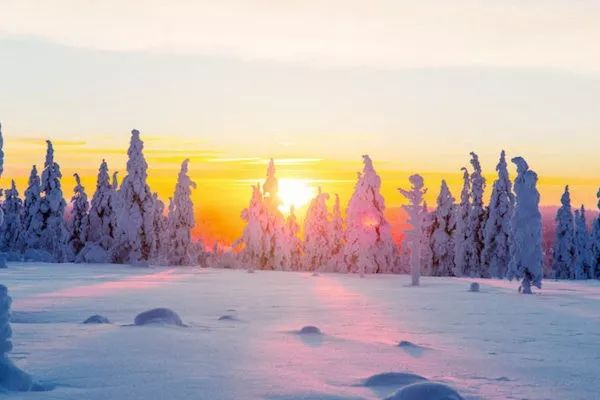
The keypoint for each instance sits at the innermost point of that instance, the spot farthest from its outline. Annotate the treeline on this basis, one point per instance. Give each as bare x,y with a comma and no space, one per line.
123,223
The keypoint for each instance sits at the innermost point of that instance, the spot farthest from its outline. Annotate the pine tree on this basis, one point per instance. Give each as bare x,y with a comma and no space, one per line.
444,224
12,227
32,215
369,247
273,223
336,236
595,245
136,211
181,220
581,267
427,228
160,229
102,231
79,218
54,232
496,244
526,246
462,226
254,252
317,248
416,214
564,244
294,245
476,222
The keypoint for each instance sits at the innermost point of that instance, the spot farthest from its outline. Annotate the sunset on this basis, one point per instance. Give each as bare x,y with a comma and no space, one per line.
280,200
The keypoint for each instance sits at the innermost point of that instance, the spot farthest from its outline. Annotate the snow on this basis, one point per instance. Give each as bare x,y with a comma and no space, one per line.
499,346
426,391
158,316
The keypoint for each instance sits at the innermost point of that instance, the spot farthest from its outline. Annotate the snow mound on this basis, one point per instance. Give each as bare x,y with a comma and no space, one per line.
97,319
310,330
228,317
426,391
158,316
393,379
12,379
474,287
411,348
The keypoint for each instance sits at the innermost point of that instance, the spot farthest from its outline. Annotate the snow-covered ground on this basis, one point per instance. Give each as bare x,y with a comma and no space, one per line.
495,344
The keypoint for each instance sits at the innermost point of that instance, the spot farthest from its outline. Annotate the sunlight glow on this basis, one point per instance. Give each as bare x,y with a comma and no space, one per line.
295,192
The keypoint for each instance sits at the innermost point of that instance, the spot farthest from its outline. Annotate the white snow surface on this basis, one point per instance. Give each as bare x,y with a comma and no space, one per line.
495,344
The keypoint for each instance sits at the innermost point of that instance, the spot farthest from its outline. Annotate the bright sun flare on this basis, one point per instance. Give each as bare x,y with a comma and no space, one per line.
294,192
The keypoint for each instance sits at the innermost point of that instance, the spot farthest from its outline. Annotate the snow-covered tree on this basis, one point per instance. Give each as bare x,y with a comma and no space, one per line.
427,227
369,246
79,217
102,220
12,227
273,223
526,241
317,248
416,214
581,267
136,210
160,228
181,220
254,246
462,226
336,235
444,224
496,238
564,243
595,245
288,245
476,222
32,215
54,234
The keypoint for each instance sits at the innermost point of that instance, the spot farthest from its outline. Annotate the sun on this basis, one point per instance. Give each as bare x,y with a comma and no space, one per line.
294,192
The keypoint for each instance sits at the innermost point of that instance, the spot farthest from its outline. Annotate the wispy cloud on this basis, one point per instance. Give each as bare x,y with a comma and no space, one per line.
380,33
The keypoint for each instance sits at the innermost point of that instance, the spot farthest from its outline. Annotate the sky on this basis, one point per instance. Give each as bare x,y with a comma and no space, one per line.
417,85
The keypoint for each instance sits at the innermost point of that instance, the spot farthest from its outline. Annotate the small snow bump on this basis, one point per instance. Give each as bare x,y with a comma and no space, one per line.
97,319
164,316
426,391
474,287
393,379
309,330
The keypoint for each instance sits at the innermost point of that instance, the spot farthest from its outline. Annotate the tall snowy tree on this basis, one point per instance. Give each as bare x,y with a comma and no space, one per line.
369,247
79,218
595,245
136,210
564,243
255,249
427,228
526,247
54,234
181,220
12,227
476,221
160,229
32,215
581,267
496,238
444,224
317,248
461,233
415,212
336,235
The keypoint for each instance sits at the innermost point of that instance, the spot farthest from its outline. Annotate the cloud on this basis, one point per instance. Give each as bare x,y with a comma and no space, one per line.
336,33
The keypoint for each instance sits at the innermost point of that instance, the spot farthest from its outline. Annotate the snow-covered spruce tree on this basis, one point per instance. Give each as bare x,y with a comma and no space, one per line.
336,236
476,222
136,210
496,236
11,377
444,224
12,227
274,222
462,226
317,248
294,242
181,220
415,214
254,247
102,221
564,244
54,234
369,247
79,218
526,241
160,228
32,215
595,245
426,244
581,267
